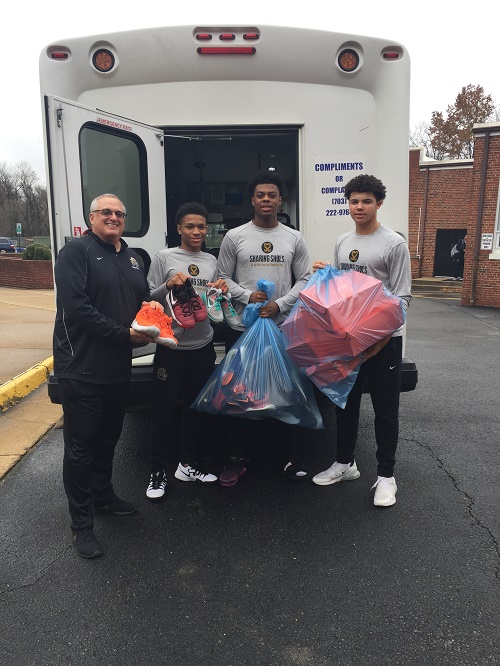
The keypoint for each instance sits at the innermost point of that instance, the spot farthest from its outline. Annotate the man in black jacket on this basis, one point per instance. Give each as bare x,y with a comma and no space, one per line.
100,288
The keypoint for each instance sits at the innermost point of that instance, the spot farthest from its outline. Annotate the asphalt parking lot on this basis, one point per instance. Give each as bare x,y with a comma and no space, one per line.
272,572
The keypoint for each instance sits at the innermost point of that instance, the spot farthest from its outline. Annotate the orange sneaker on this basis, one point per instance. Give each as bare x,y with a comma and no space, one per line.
146,321
166,336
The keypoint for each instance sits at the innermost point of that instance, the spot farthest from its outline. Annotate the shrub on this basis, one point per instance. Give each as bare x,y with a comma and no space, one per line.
37,251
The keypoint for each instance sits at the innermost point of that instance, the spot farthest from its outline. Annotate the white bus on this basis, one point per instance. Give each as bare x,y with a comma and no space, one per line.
168,115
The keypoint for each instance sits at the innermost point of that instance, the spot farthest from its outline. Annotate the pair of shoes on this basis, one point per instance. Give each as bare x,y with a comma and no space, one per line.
385,491
86,544
117,507
186,305
296,472
188,473
232,472
156,324
337,472
157,484
220,307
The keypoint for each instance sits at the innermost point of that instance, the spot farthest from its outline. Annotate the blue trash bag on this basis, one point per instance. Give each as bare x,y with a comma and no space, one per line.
257,380
251,312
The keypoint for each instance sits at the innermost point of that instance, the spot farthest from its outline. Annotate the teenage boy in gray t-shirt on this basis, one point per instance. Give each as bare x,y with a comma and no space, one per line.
263,249
182,372
382,253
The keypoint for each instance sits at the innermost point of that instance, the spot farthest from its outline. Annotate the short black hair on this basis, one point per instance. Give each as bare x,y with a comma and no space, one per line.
366,183
190,208
266,178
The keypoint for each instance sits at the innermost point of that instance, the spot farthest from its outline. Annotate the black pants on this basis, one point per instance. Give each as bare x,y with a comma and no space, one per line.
459,266
178,375
93,421
383,373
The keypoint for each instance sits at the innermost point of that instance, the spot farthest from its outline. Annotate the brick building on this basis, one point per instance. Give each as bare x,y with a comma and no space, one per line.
449,199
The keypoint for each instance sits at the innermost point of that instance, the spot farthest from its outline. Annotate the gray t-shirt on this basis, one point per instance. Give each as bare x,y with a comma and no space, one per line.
250,253
201,268
383,255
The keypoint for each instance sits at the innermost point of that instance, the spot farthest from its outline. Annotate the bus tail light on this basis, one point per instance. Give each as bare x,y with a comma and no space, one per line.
59,55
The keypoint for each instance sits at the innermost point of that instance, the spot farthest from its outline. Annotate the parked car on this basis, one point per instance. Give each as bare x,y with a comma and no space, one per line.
6,245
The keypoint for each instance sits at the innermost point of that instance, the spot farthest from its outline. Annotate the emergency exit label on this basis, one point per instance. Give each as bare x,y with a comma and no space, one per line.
331,173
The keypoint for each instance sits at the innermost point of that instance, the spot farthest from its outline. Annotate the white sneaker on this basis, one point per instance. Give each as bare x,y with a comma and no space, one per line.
191,474
157,485
385,491
337,472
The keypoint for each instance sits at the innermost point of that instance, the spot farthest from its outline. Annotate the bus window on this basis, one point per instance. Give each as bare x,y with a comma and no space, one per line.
115,163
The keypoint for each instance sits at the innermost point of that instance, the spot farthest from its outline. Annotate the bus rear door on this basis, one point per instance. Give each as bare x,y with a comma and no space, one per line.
91,152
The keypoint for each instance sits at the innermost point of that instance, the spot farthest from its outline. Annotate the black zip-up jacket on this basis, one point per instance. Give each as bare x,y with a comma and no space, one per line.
99,292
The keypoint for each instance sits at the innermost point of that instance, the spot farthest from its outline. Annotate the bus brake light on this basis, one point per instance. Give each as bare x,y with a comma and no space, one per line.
226,50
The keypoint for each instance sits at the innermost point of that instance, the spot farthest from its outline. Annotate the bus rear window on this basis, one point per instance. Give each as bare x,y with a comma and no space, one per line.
115,163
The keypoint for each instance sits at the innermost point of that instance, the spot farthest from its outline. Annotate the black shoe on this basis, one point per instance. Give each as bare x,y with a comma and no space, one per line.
86,544
296,472
117,507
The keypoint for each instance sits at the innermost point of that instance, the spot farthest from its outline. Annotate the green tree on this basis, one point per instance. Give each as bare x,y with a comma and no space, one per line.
451,134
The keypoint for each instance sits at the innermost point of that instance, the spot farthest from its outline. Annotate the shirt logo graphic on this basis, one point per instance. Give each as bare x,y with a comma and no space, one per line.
135,264
353,255
99,258
267,247
161,373
193,270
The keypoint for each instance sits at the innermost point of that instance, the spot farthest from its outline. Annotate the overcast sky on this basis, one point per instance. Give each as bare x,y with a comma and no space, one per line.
450,46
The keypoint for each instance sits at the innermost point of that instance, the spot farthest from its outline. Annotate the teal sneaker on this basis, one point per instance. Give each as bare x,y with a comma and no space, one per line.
229,313
212,299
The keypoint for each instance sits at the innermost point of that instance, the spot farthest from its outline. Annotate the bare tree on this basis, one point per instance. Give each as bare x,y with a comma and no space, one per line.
420,138
22,201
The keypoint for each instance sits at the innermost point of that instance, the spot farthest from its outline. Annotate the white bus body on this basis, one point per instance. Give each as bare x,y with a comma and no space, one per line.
165,124
168,115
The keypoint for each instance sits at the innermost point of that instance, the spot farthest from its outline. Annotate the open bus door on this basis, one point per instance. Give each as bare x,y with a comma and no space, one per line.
91,152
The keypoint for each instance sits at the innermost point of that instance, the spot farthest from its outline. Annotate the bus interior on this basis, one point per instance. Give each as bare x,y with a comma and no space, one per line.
213,167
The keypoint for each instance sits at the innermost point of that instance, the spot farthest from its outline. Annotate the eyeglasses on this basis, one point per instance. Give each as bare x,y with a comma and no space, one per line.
106,212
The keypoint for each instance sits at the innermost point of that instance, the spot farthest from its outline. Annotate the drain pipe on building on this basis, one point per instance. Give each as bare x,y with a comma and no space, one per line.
480,208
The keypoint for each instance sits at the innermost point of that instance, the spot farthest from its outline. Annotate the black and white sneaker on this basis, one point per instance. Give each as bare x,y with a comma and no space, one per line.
296,472
191,474
157,485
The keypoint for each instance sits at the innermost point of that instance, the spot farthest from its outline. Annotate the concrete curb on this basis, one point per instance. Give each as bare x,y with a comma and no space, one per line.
28,381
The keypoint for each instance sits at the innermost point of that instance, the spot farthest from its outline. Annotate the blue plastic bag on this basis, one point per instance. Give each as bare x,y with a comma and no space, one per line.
257,380
251,312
